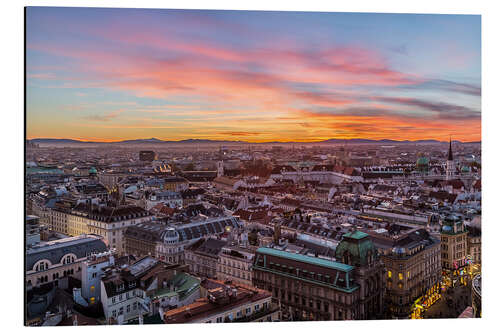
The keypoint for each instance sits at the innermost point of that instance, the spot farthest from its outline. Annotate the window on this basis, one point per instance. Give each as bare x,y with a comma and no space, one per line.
92,300
114,313
114,300
389,274
256,307
400,275
135,306
128,308
92,288
219,319
248,310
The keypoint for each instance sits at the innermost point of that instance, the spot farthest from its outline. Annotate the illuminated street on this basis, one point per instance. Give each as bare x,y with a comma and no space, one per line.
452,304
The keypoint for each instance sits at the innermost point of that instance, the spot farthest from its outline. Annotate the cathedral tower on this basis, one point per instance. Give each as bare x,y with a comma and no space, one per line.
450,164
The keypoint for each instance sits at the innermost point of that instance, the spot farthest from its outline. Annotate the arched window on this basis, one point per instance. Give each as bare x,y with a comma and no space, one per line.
68,259
41,266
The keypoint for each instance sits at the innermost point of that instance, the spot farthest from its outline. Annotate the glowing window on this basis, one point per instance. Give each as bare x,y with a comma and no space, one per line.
92,300
400,276
389,274
92,288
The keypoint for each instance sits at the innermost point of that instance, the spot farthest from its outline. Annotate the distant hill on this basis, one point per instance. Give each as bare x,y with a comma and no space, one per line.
155,141
139,141
58,141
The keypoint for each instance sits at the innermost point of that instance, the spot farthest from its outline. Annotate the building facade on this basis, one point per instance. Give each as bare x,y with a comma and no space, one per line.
412,260
453,243
202,257
223,303
235,264
111,223
49,261
127,292
92,272
310,288
474,244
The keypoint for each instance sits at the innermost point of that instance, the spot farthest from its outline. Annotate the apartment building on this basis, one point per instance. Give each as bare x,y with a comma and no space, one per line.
49,261
235,264
224,302
412,260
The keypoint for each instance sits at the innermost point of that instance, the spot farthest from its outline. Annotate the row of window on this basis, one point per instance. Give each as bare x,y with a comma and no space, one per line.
237,273
120,311
55,276
45,264
400,275
234,264
128,295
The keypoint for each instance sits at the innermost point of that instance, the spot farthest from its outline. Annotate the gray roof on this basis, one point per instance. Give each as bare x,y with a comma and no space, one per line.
53,251
196,230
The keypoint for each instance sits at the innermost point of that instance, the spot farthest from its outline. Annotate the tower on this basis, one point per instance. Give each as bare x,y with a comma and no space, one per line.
450,164
220,169
277,232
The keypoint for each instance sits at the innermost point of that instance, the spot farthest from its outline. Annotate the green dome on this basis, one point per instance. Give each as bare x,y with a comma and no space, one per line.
465,168
92,170
359,247
422,161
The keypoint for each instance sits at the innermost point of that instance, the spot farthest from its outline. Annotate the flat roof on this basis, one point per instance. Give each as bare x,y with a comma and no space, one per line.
60,243
306,259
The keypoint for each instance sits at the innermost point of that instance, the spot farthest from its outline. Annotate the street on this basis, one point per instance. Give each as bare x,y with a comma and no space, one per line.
452,303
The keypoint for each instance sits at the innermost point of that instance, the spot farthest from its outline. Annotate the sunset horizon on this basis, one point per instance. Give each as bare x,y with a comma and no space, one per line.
251,76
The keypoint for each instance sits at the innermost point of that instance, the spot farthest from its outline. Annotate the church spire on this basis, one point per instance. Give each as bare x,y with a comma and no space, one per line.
450,153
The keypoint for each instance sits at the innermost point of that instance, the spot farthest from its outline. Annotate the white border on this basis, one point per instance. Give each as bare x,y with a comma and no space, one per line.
12,35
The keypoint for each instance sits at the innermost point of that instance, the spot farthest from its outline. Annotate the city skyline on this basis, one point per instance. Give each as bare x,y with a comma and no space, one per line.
116,74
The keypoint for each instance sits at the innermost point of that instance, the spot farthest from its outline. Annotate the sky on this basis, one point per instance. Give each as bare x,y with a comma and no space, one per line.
116,74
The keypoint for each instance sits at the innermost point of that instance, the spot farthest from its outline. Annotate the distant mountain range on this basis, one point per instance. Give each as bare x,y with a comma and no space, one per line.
155,141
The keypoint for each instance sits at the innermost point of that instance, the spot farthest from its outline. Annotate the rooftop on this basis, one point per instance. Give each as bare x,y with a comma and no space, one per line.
306,259
356,235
